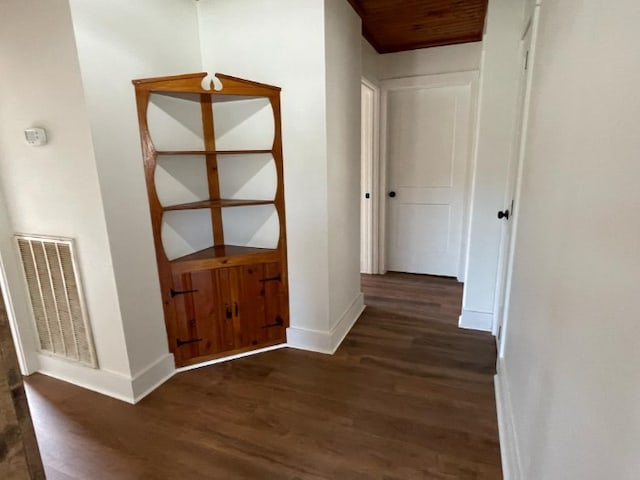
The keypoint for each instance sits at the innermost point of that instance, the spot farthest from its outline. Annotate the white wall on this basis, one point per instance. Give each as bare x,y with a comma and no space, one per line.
370,62
285,48
529,8
343,84
119,41
430,61
571,353
53,190
499,84
98,174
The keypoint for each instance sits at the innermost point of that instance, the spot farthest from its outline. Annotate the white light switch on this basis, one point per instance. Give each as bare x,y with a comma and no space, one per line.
35,136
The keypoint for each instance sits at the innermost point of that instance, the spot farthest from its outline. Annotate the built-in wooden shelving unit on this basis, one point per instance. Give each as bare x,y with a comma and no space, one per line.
223,299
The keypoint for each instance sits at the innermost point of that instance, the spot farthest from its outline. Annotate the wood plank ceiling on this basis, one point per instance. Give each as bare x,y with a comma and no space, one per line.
398,25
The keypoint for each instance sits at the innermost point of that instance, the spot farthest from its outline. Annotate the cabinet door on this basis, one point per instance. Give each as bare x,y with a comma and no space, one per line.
229,305
253,296
242,298
200,328
215,329
262,320
276,314
186,335
228,309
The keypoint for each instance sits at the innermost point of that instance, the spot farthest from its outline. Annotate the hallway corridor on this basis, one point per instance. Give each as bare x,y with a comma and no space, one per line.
407,395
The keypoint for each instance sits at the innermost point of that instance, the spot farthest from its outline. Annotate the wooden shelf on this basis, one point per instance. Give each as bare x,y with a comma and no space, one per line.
241,152
217,203
223,255
211,152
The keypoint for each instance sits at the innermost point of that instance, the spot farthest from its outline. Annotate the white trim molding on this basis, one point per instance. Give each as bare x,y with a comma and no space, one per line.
113,384
510,455
346,321
327,341
309,339
148,379
371,172
476,320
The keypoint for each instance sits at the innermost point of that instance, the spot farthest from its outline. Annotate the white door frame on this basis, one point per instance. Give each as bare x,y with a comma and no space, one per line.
470,78
370,168
505,267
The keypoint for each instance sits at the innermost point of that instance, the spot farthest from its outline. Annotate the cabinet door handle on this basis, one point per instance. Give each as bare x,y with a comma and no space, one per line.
227,311
236,305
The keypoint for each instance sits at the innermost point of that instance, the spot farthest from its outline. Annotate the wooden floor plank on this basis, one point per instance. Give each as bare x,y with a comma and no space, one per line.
408,395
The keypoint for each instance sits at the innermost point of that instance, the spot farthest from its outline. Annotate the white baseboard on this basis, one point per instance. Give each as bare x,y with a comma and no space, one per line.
148,379
347,321
511,466
308,339
108,383
112,384
476,320
327,341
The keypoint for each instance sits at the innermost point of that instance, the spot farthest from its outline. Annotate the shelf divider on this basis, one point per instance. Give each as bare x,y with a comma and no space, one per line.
210,152
222,203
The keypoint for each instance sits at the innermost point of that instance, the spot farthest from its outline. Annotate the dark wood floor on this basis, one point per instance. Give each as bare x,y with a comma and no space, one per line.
407,396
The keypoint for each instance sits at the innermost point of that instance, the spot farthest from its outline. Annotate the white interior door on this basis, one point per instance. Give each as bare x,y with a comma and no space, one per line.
515,170
366,181
427,143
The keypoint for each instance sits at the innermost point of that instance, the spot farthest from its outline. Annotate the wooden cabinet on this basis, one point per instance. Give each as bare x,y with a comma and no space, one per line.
223,279
228,309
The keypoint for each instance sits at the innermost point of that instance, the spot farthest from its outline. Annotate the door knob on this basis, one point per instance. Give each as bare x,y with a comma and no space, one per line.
503,214
392,194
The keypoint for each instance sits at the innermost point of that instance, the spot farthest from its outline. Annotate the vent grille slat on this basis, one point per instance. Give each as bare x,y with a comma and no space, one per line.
64,308
56,301
35,294
48,299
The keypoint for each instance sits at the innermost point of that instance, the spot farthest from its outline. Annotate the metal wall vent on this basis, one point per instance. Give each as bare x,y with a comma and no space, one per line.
56,298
